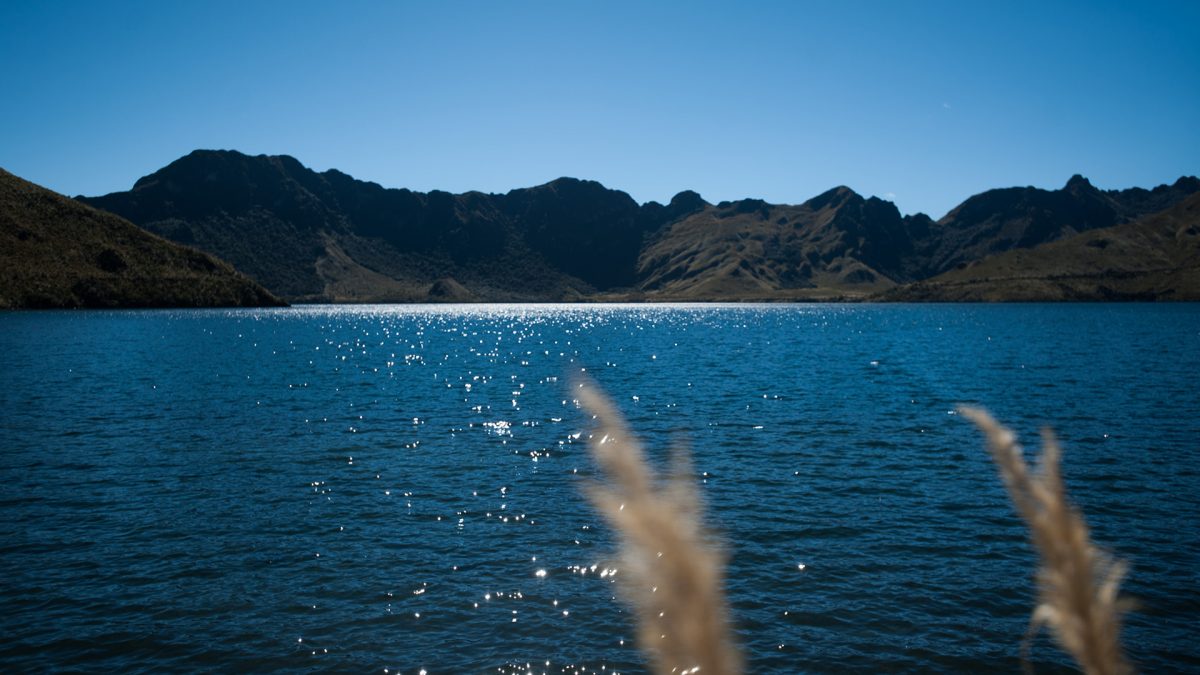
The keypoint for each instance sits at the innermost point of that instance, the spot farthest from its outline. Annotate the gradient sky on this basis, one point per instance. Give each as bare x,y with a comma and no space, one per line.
923,103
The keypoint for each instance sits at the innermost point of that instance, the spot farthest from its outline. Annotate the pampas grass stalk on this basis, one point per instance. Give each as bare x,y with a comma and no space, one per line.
672,575
1077,582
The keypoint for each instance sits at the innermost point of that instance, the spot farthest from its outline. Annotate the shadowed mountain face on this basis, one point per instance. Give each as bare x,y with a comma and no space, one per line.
329,237
56,252
1001,220
1154,258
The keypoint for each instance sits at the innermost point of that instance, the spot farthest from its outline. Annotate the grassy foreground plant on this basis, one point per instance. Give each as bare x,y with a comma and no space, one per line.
671,573
1077,582
674,576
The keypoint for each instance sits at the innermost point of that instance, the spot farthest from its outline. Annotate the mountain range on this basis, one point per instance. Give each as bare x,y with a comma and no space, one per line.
1156,257
327,237
58,253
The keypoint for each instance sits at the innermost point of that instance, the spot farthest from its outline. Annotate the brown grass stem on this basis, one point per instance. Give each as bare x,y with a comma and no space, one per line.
672,575
1077,582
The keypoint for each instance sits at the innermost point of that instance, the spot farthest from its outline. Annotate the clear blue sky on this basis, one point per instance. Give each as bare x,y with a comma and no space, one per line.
923,103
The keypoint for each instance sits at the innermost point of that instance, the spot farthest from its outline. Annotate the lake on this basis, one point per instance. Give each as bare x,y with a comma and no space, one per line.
401,488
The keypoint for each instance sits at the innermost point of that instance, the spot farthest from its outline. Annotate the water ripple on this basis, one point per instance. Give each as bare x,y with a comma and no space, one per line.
401,488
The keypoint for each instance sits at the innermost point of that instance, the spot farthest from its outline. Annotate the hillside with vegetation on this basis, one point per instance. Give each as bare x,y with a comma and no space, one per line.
1154,258
58,253
328,237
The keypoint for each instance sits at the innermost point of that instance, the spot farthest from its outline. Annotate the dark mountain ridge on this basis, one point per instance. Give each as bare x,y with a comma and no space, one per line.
278,220
999,220
1156,257
330,237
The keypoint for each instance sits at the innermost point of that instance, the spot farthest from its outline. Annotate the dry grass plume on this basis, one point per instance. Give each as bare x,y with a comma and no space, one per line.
671,573
1077,582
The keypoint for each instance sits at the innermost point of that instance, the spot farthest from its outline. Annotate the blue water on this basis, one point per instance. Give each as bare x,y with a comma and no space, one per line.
371,488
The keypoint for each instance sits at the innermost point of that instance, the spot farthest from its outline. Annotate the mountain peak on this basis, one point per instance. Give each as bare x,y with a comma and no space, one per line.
208,158
833,198
1077,182
1189,183
204,162
688,200
566,184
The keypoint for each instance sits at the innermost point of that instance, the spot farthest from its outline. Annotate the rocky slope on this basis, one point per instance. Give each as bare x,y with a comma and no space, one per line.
837,244
1011,218
329,237
58,253
1154,258
326,236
